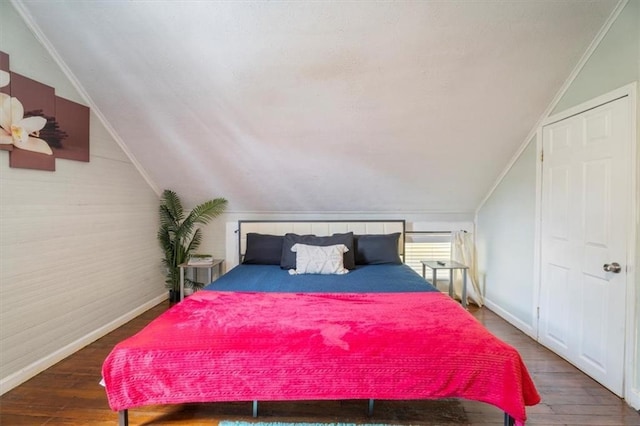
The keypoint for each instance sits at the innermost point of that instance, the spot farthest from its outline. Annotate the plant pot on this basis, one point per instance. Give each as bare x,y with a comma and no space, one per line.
174,296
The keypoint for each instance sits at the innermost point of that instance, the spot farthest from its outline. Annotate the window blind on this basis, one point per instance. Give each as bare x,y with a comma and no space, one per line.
427,246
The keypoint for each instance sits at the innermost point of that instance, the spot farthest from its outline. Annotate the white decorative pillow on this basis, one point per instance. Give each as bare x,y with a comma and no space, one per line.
319,259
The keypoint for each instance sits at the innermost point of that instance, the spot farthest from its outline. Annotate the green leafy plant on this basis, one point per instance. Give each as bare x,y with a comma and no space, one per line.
179,234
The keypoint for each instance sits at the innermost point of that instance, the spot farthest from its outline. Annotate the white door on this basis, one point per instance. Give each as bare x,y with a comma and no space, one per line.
586,178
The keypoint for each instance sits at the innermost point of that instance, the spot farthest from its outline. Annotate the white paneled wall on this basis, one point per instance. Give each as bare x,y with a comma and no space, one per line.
78,251
78,248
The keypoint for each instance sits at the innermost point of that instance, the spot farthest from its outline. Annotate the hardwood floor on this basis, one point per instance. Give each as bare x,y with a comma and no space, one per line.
68,394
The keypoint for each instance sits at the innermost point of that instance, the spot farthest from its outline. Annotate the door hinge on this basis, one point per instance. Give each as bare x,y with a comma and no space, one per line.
541,156
538,312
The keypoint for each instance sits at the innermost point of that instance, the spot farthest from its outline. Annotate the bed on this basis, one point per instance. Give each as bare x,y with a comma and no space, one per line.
263,332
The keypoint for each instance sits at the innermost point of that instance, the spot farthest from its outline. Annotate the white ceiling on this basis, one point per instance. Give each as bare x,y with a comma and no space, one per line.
322,106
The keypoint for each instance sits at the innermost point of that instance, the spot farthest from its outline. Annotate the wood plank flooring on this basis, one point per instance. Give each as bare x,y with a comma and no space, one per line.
68,394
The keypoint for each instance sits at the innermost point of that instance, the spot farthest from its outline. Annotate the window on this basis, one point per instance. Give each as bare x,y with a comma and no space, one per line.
427,246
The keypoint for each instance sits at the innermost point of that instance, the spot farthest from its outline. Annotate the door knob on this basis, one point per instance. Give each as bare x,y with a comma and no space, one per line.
612,267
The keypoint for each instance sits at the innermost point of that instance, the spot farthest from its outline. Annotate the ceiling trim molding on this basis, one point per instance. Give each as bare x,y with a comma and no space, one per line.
531,137
44,41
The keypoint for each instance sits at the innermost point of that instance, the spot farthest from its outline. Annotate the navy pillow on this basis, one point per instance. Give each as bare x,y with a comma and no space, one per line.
263,249
377,249
288,260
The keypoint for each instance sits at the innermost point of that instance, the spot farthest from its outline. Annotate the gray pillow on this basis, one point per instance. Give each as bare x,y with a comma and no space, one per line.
263,249
288,259
377,249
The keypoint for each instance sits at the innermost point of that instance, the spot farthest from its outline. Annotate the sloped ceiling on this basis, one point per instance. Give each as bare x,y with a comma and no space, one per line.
322,106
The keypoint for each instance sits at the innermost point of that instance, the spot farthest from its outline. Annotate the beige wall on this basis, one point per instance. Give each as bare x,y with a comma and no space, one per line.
78,253
504,239
613,64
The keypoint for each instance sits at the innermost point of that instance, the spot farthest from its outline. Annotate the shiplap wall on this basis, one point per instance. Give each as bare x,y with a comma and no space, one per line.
78,251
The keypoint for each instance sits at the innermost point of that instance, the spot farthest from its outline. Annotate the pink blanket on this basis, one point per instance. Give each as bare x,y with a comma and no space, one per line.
226,346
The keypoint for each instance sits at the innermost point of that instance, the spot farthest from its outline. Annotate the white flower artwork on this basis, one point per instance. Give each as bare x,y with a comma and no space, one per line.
16,129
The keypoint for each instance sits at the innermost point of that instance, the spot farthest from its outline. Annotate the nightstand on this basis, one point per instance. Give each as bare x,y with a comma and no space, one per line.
210,266
451,265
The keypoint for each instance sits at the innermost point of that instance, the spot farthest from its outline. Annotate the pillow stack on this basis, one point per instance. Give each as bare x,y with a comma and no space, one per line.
311,254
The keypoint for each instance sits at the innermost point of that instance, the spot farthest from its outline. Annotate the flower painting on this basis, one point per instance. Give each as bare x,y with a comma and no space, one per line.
36,126
18,130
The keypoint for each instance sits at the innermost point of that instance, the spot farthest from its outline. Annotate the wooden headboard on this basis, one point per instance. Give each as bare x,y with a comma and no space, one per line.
320,228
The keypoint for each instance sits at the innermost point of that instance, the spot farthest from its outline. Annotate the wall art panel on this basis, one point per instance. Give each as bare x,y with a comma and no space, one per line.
37,126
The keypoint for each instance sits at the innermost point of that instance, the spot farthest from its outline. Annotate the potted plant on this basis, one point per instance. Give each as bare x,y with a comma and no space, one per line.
179,235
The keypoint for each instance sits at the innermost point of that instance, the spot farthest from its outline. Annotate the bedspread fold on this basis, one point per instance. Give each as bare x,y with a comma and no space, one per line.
235,346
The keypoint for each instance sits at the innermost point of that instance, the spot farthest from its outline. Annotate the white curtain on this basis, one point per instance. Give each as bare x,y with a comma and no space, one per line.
463,251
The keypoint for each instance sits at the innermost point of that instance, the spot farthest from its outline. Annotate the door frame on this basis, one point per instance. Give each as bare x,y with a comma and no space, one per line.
631,388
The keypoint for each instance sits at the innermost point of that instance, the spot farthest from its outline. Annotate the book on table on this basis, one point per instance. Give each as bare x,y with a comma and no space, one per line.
200,259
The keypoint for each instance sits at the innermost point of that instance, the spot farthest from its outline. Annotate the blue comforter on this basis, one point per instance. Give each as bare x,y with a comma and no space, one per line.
363,279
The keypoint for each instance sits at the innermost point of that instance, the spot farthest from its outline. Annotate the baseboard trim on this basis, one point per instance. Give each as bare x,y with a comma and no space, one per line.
24,374
514,321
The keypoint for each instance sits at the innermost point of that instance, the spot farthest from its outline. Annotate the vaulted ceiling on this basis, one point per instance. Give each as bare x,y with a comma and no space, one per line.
322,106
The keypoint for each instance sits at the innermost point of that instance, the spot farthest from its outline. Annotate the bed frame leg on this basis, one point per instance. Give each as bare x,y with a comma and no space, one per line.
123,418
508,420
255,408
370,410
